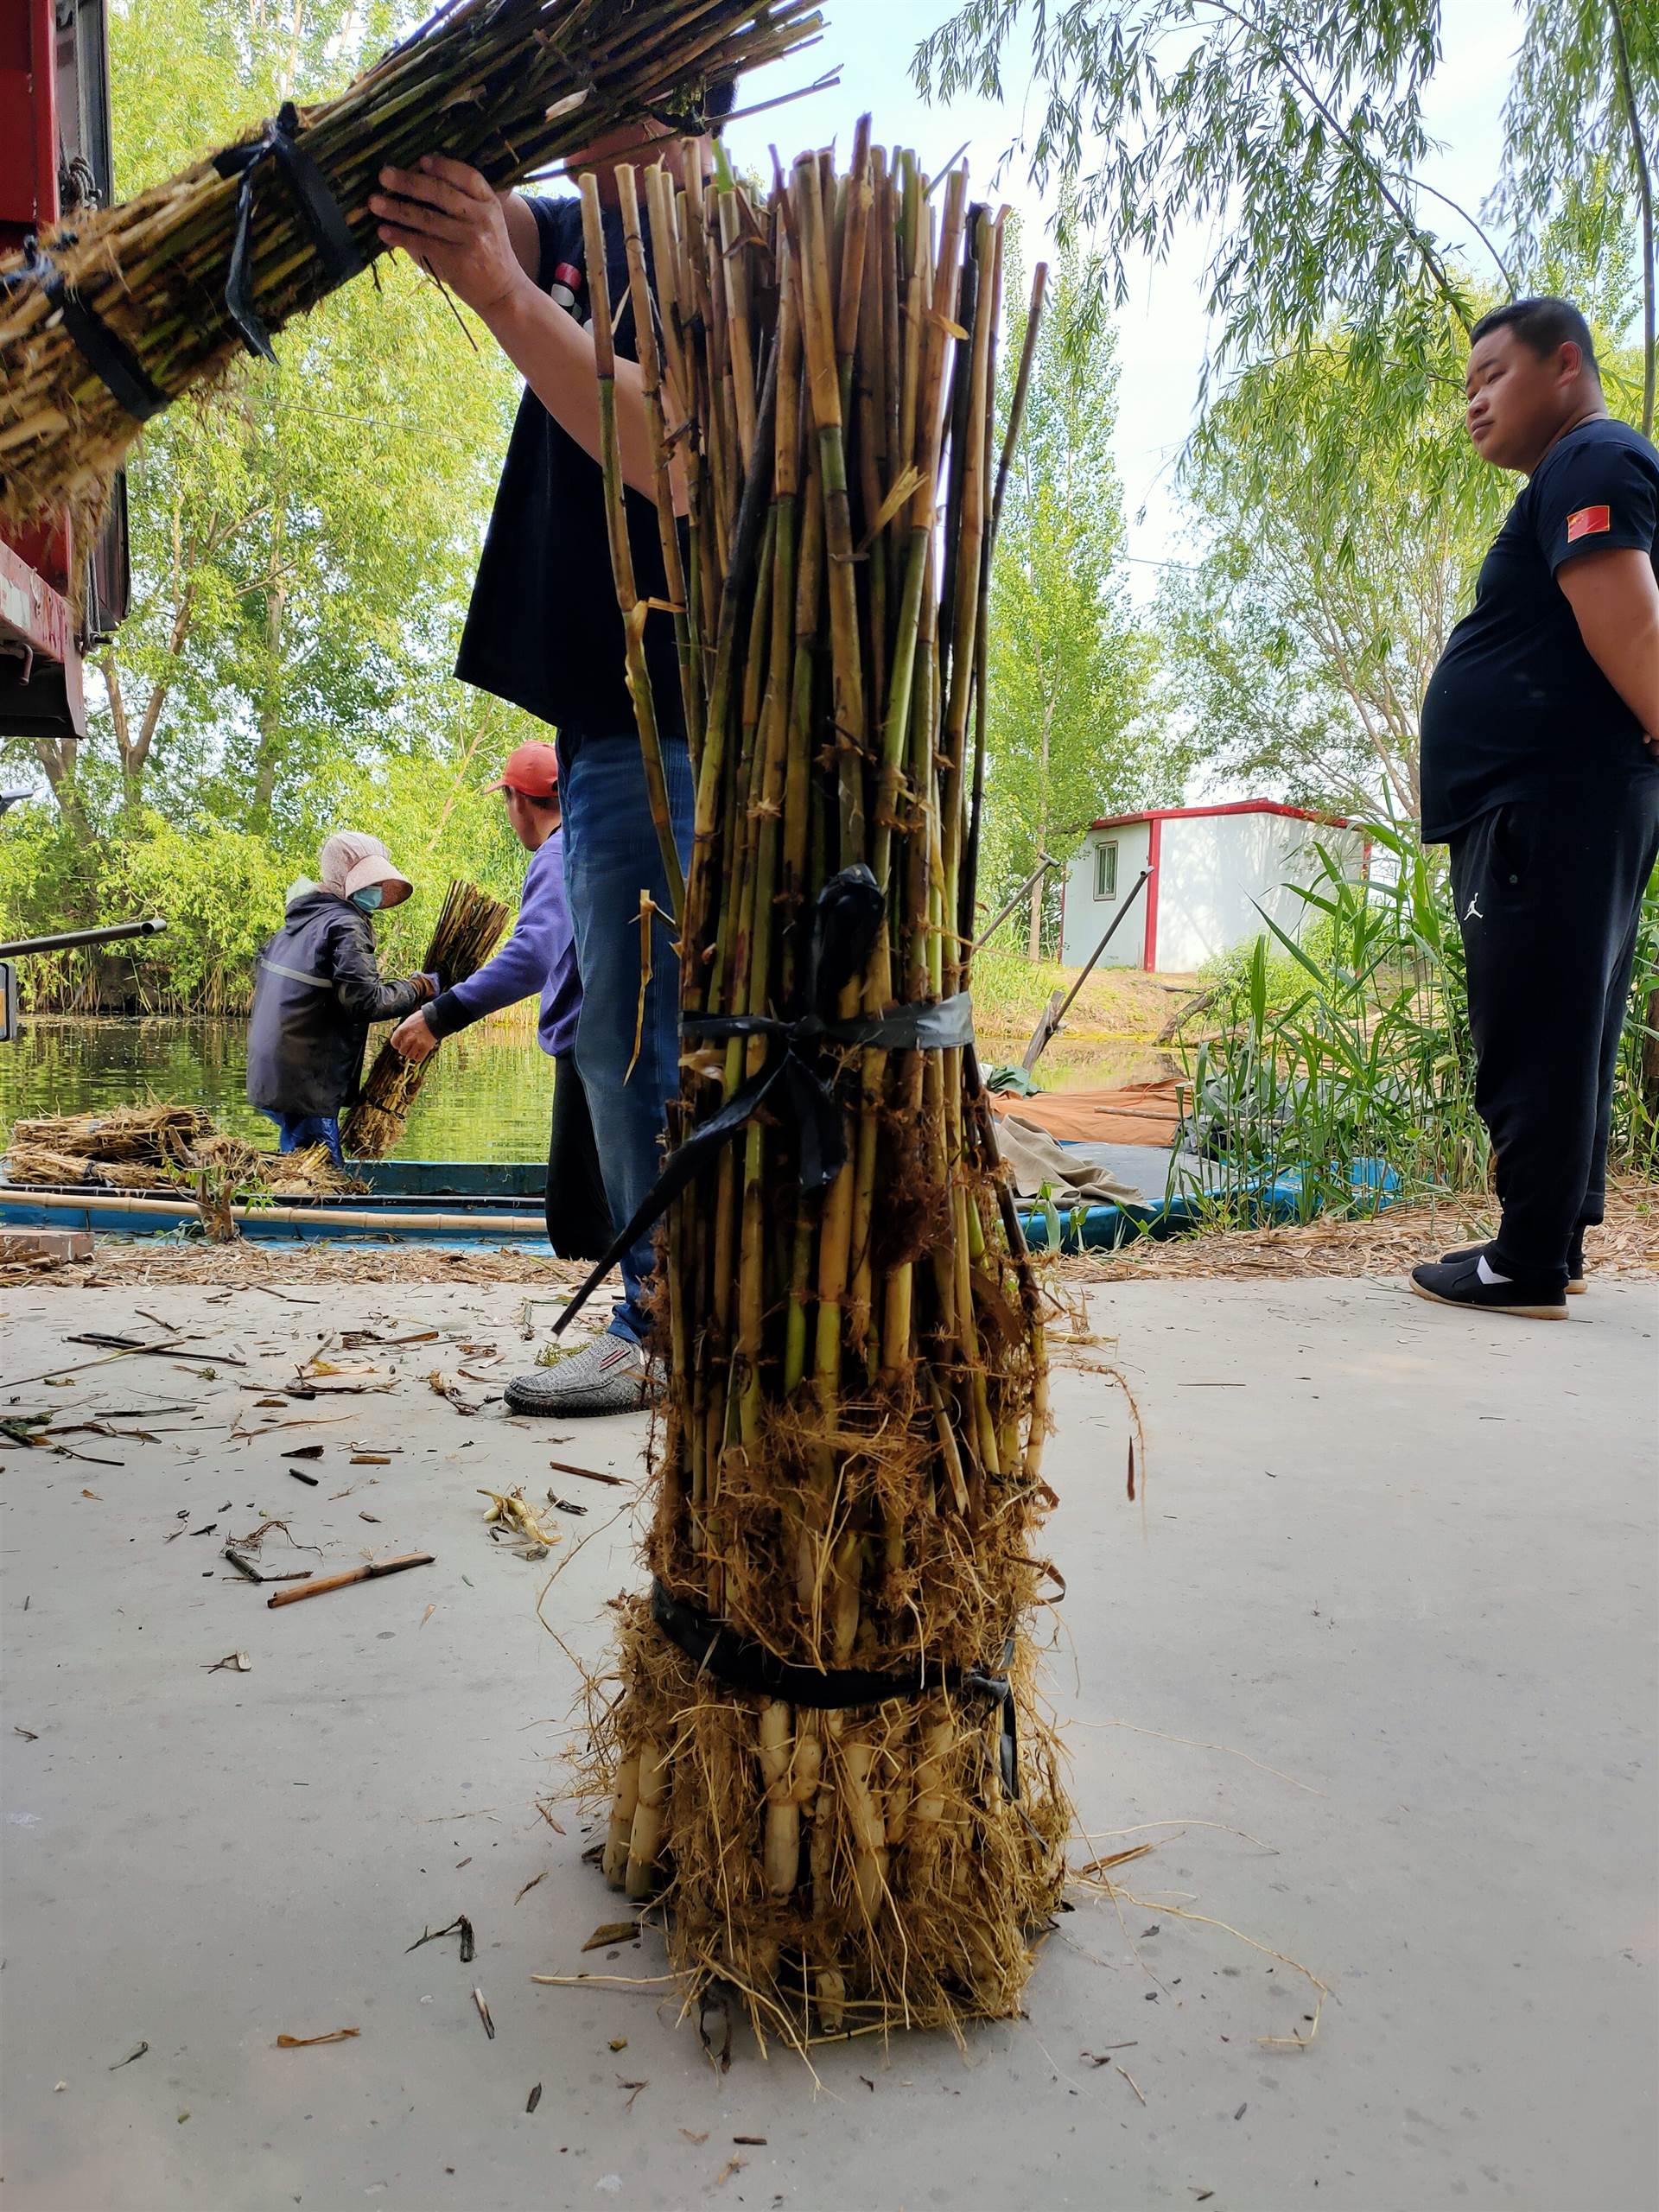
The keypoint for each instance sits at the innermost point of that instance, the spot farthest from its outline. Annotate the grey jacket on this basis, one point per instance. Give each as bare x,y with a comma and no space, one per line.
315,991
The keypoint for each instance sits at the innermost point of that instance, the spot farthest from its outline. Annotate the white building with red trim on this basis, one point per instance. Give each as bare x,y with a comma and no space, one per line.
1210,872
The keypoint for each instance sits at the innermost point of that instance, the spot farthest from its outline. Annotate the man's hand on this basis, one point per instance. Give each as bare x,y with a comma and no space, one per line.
447,218
483,244
413,1038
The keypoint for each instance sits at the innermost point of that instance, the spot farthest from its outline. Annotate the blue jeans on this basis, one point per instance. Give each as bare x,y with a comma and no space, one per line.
296,1131
611,856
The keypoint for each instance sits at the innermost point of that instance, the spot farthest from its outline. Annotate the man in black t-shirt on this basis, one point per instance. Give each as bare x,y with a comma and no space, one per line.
1540,771
543,631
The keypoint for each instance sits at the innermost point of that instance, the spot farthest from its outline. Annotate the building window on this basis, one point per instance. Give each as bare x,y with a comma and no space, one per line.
1106,870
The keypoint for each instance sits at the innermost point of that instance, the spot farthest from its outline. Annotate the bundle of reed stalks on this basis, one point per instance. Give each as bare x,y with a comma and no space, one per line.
121,310
468,929
809,1744
29,1162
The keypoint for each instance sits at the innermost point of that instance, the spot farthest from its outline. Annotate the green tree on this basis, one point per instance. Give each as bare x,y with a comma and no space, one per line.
1581,127
303,541
1068,734
1336,562
1293,131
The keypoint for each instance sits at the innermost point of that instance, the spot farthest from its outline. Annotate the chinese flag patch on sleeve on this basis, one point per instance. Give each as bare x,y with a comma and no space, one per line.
1587,521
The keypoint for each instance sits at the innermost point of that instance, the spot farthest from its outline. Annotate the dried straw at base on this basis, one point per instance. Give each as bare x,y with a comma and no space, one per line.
468,930
847,1481
307,1173
504,85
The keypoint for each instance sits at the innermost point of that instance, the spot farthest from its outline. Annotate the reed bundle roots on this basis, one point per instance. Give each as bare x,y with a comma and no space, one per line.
468,930
506,85
848,1472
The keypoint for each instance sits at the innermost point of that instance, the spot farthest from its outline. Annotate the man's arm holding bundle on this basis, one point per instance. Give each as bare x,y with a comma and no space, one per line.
482,244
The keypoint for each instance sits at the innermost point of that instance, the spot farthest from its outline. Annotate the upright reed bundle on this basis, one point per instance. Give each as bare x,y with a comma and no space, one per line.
812,1753
468,930
112,317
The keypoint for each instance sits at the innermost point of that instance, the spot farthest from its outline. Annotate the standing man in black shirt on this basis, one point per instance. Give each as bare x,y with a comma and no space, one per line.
544,631
1540,771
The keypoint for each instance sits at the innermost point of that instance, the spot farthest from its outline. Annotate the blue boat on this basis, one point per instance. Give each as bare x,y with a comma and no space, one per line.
422,1201
492,1203
1185,1195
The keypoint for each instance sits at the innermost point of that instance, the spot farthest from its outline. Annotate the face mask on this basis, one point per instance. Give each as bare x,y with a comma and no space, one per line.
369,898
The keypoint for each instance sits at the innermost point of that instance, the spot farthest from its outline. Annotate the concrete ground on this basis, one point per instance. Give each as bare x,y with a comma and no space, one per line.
1371,1662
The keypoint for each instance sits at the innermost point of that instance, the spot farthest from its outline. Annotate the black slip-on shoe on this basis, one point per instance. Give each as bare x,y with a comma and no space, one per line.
1458,1283
1576,1283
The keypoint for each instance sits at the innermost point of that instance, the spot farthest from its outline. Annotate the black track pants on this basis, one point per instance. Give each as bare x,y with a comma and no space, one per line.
1548,894
578,1215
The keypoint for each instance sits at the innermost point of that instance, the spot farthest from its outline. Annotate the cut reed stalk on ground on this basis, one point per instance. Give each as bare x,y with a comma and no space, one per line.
846,1477
507,85
468,930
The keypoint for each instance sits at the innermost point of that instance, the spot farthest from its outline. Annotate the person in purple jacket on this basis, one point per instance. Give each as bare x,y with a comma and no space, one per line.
540,956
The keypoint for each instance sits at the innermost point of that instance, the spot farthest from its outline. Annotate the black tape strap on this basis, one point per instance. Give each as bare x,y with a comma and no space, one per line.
114,364
743,1665
845,923
337,249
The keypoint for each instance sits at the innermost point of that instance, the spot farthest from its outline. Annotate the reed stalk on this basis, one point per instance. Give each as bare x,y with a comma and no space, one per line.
634,610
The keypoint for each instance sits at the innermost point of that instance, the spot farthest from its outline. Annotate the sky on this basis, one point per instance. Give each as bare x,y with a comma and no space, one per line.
1162,326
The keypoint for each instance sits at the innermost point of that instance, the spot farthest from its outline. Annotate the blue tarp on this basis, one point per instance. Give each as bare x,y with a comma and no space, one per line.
1275,1199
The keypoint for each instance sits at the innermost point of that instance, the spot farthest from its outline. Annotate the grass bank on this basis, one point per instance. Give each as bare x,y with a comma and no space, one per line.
1353,1043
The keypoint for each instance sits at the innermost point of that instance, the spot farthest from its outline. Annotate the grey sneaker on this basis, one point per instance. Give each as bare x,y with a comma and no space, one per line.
612,1375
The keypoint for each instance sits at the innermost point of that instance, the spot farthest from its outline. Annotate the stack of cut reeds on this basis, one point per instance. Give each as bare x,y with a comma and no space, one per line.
468,929
147,1135
159,1148
808,1752
506,85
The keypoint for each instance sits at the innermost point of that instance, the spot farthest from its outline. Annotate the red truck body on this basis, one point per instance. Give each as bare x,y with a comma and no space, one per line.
58,596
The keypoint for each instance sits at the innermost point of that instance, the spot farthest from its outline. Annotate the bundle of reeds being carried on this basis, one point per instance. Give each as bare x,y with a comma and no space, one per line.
121,310
468,929
821,1744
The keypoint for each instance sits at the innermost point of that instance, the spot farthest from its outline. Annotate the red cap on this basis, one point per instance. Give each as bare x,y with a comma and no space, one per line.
532,770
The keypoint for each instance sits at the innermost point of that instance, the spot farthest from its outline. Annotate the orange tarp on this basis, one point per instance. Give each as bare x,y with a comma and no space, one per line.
1132,1113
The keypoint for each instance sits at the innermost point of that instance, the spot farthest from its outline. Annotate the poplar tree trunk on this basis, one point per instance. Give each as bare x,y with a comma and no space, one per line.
1034,935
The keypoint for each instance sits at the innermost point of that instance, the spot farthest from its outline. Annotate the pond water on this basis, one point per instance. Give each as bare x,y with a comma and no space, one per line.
487,1098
